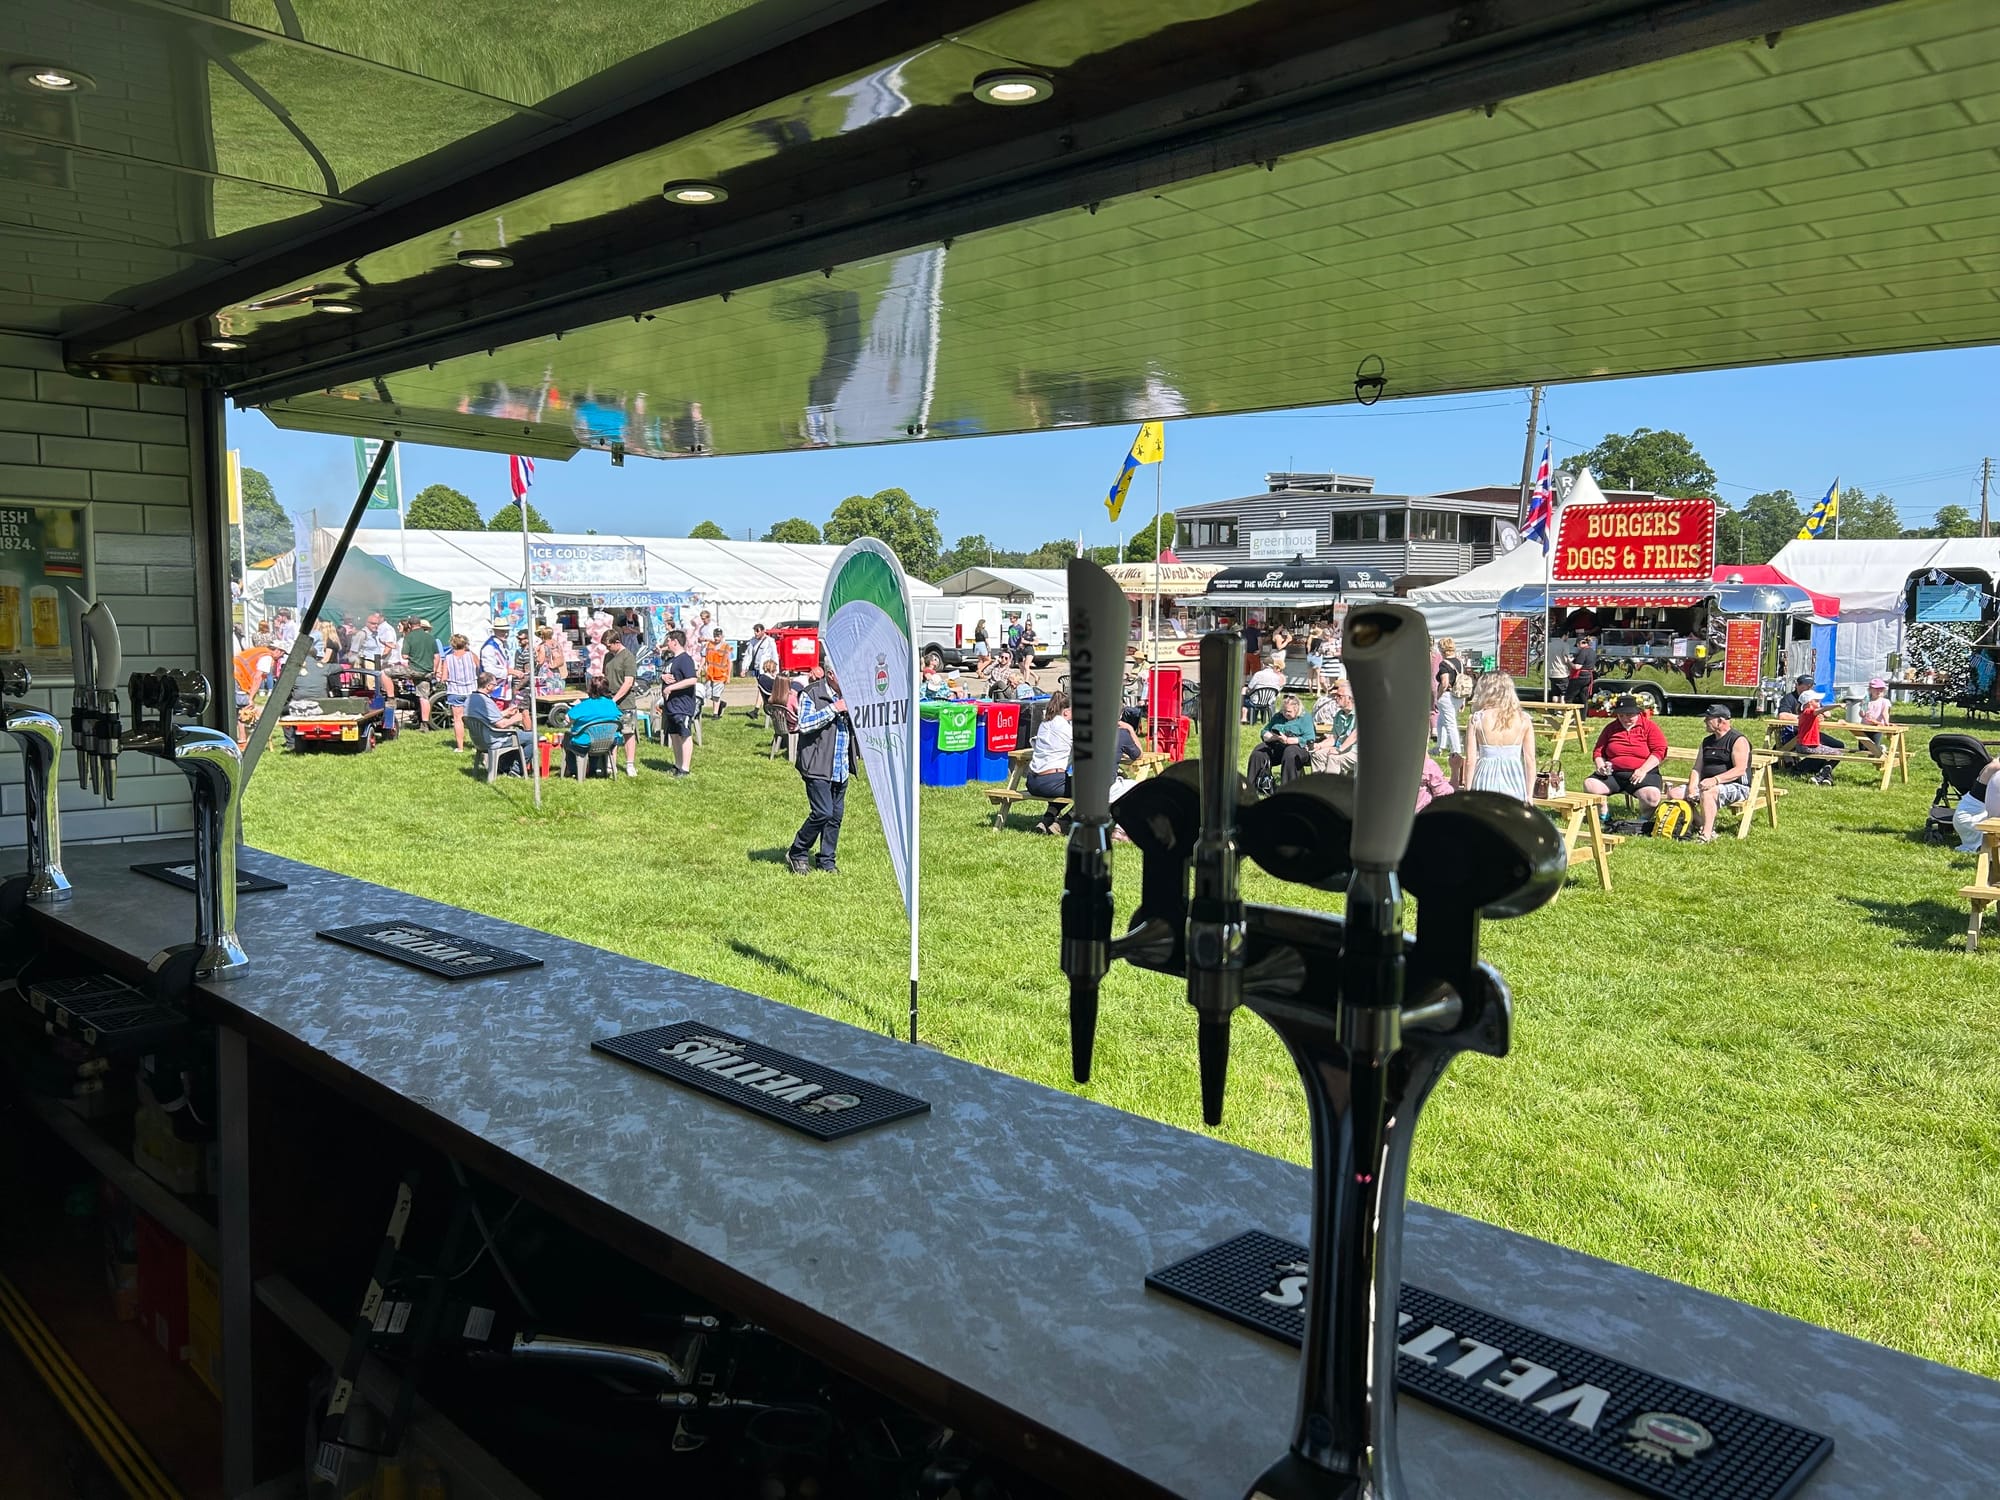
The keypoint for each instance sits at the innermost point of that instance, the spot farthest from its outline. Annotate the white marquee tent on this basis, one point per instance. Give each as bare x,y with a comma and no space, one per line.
1870,578
739,583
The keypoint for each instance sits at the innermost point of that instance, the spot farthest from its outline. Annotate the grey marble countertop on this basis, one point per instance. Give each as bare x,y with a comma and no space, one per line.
999,1243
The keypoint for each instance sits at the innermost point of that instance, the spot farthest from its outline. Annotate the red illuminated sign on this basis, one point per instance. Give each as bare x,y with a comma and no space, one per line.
1649,541
1514,645
1743,653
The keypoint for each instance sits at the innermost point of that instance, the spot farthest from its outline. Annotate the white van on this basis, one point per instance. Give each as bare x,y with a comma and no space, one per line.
946,627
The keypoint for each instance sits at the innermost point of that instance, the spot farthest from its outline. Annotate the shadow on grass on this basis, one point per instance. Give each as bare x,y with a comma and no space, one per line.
1931,925
778,964
1908,833
776,856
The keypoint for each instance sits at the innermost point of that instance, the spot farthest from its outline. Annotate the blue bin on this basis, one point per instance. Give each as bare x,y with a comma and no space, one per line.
927,752
947,767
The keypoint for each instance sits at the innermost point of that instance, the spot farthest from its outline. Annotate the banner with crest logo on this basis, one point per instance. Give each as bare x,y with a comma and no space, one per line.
865,630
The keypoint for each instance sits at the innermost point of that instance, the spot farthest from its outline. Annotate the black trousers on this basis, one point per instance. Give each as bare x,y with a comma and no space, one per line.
1292,760
826,803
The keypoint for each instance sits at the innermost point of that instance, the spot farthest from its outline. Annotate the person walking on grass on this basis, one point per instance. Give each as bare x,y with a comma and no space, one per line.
621,683
824,764
715,664
1500,740
679,706
461,681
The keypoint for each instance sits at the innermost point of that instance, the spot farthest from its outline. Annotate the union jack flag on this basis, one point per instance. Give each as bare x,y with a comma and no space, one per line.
520,476
1540,518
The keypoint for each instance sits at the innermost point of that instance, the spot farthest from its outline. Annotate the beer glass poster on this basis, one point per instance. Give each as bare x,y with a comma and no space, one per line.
42,551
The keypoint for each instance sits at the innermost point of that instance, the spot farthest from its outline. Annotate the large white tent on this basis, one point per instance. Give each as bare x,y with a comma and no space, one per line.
739,583
1467,608
1870,578
1020,584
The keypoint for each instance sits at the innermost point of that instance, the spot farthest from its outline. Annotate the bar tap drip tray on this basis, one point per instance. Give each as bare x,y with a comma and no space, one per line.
1651,1435
182,875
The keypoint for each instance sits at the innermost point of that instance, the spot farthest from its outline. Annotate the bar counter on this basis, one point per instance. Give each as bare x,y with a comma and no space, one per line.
984,1262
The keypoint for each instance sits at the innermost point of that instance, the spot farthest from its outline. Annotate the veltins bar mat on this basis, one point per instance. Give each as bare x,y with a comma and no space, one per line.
819,1101
444,954
1648,1434
182,875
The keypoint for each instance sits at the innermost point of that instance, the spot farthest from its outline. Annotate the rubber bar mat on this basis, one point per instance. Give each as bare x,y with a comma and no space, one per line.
1654,1436
820,1102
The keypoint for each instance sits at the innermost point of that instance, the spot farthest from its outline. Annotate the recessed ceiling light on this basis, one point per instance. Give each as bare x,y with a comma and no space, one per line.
48,78
223,346
1012,86
334,305
485,260
695,194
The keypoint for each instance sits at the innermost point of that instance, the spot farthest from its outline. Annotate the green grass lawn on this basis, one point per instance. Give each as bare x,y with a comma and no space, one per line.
1768,1068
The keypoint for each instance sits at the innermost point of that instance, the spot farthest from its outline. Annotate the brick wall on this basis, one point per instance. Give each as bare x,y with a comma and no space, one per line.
126,452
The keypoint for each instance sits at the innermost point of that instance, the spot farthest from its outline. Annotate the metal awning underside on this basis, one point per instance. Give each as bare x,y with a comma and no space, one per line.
1729,598
1836,194
1227,205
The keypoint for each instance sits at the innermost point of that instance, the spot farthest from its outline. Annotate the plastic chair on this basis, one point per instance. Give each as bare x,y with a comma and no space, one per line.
597,744
481,735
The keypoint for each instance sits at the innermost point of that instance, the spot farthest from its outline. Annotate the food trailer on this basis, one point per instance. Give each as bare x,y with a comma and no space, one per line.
1639,582
1159,590
1257,597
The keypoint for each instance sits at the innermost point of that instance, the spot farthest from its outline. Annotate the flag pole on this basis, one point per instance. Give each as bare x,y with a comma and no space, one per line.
1153,647
528,630
402,525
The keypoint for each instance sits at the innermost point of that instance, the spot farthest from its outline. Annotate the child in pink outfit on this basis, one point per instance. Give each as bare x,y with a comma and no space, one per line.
1434,784
1875,711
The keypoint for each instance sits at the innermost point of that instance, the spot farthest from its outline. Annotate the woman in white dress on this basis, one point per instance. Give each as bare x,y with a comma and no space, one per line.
1500,740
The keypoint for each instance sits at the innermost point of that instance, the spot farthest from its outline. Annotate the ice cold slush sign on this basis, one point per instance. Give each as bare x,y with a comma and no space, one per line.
1654,541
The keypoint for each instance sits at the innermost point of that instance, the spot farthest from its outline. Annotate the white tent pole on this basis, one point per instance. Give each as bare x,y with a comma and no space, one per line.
528,629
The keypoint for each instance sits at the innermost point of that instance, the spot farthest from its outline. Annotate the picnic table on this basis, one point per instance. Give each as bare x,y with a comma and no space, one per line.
1764,788
1982,892
1583,835
1566,719
1893,756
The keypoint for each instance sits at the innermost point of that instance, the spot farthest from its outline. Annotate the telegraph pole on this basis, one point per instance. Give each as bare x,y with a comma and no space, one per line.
1985,479
1528,453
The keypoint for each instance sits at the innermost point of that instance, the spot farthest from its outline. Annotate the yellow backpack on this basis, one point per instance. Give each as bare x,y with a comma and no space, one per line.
1674,819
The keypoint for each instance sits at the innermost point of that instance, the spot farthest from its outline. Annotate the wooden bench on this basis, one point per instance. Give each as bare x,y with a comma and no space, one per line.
1892,754
1982,893
1583,835
1764,789
1005,797
1565,720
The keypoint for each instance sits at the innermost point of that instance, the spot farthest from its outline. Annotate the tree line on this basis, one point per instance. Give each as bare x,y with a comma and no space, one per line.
1662,462
1667,463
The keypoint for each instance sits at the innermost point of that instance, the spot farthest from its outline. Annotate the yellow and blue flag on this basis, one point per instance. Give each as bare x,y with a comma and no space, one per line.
1824,518
1149,447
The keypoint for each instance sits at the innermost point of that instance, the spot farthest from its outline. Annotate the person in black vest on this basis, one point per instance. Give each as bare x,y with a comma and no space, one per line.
1582,670
1721,776
824,736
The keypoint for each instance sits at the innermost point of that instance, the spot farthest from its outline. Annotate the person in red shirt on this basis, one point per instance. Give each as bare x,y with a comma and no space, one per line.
1809,736
1628,755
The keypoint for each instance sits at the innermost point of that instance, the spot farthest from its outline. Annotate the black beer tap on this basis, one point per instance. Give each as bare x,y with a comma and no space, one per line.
1371,1016
213,766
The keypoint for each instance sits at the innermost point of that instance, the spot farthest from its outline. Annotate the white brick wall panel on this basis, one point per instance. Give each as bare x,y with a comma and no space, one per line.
163,458
169,551
143,489
178,819
39,416
17,448
174,640
169,520
17,385
137,426
110,823
90,453
146,609
120,580
33,482
170,581
25,353
53,385
163,398
109,518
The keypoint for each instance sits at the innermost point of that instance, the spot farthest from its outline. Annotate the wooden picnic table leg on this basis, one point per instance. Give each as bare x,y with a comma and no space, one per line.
1972,928
1771,791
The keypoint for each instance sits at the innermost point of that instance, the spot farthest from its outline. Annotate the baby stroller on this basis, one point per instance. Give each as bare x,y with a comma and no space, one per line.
1960,758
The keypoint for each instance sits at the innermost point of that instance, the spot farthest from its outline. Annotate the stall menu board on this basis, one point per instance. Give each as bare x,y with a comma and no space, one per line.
1743,654
958,727
1649,541
509,607
41,552
1949,603
1514,645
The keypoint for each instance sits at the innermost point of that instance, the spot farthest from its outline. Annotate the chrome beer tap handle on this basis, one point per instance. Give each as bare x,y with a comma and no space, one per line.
40,738
214,768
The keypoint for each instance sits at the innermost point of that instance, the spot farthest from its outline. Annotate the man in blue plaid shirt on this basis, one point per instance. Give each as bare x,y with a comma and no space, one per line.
823,762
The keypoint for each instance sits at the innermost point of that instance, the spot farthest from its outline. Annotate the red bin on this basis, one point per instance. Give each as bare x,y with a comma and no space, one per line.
798,648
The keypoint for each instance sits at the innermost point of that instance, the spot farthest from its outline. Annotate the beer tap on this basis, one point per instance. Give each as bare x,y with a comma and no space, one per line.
40,737
94,715
1372,1017
214,768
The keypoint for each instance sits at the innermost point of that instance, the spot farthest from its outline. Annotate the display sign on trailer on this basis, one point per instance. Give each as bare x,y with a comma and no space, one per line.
1655,1436
1743,654
618,564
1649,541
818,1101
1514,645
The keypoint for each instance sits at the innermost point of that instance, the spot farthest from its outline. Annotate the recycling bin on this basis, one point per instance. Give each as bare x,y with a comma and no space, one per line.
999,737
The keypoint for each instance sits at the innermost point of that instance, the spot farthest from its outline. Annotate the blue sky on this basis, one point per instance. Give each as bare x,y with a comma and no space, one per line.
1914,426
